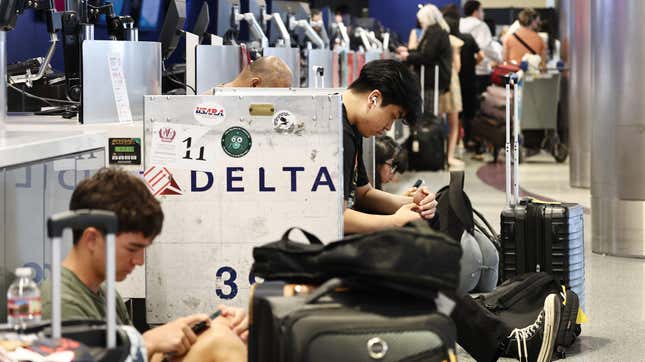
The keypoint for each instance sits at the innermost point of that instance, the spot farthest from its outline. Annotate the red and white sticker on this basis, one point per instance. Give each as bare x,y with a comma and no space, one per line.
161,182
209,114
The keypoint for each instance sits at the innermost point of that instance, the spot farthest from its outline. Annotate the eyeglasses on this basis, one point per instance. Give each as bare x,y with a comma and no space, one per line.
393,166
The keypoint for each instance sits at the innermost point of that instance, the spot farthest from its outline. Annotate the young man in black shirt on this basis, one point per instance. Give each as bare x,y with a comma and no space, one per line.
385,91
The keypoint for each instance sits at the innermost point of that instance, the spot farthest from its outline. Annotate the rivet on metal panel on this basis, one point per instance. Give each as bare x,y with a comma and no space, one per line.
167,97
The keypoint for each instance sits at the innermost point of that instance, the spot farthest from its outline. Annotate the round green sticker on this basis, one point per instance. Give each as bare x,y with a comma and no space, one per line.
236,142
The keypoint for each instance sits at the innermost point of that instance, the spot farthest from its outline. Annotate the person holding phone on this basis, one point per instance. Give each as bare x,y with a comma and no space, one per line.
83,272
385,90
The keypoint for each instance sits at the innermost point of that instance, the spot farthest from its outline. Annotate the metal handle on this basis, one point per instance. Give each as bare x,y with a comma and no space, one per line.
81,219
507,148
422,75
516,145
436,90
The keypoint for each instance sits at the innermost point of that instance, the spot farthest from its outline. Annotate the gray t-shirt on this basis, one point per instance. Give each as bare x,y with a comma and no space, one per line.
80,302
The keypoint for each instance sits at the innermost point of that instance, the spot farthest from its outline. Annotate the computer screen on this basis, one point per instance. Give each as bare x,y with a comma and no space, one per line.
150,14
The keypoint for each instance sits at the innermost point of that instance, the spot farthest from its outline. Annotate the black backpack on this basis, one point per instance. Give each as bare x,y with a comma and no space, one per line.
395,259
518,302
456,215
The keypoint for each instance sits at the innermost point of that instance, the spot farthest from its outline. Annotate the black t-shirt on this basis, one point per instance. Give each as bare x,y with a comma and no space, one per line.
470,48
354,173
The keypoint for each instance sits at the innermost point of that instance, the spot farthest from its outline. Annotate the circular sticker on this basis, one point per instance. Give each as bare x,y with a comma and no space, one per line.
284,121
236,142
209,114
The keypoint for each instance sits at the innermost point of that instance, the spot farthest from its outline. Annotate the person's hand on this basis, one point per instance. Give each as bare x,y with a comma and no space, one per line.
401,49
426,202
237,320
410,192
407,213
174,338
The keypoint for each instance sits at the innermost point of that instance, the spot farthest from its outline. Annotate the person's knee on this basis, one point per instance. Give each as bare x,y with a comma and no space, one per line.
218,343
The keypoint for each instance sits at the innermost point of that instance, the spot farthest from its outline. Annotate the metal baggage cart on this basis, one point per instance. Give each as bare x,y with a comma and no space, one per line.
234,171
539,115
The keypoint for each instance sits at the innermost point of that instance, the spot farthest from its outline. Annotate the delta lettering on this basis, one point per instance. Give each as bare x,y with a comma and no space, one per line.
235,179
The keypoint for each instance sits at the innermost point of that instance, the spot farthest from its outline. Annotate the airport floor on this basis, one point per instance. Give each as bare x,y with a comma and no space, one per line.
614,287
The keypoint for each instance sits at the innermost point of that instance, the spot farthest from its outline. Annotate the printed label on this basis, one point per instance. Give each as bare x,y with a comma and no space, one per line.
209,114
24,307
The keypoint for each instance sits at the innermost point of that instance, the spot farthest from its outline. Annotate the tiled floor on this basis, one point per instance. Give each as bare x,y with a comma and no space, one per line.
615,287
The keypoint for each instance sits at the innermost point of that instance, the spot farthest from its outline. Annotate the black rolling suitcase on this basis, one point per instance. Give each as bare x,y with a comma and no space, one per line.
426,144
333,325
539,236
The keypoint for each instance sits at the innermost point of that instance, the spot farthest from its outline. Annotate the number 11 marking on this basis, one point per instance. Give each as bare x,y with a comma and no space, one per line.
188,142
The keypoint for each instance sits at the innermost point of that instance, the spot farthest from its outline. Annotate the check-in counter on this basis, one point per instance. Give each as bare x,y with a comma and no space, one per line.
38,172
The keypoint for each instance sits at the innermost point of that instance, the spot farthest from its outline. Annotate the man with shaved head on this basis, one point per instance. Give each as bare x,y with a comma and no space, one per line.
266,72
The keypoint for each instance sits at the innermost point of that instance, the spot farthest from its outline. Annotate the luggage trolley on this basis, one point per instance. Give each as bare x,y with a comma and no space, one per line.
539,115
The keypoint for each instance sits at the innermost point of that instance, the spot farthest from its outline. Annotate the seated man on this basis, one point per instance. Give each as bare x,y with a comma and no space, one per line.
385,91
83,272
266,72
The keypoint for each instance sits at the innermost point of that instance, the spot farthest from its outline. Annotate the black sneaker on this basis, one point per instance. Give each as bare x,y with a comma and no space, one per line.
535,343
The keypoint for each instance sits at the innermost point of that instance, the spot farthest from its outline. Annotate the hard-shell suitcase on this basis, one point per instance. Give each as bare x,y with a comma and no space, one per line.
426,144
539,236
105,340
345,326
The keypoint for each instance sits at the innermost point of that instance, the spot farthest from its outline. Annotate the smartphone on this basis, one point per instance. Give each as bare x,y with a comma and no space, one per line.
418,183
203,325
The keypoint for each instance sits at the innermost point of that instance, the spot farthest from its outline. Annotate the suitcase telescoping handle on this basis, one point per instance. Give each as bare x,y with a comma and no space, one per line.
422,76
512,80
435,95
79,220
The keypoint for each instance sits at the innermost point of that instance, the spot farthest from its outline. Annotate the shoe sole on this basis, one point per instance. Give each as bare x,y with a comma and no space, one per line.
552,312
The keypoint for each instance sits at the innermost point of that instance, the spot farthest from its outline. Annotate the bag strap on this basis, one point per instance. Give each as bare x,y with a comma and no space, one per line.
310,237
516,294
458,201
524,43
326,288
487,230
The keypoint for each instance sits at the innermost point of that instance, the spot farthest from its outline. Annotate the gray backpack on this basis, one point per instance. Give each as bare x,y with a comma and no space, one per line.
479,242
